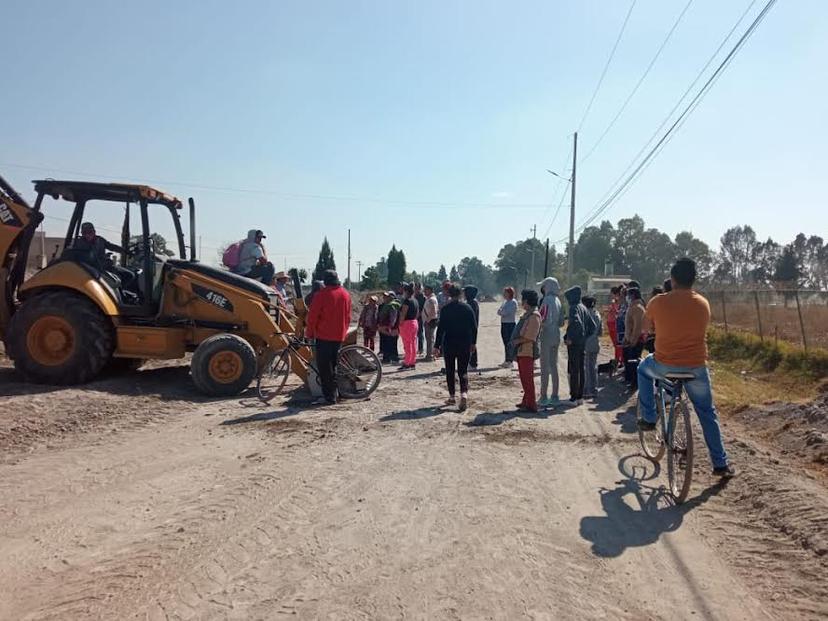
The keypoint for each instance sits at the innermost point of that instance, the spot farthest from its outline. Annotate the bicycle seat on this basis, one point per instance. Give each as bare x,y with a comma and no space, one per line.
673,377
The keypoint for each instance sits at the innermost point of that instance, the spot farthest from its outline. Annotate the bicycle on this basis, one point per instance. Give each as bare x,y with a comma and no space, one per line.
358,370
673,433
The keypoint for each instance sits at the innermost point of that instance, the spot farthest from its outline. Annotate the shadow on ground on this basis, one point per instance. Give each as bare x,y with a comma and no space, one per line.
638,511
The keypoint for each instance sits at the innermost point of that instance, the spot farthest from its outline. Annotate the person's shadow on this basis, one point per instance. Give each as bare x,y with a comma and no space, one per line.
643,518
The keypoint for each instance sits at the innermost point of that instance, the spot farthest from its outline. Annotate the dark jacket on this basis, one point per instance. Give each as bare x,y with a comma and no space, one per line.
457,327
580,325
471,299
96,250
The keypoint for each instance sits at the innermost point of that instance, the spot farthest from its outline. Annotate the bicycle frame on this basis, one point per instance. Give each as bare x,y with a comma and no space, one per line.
668,419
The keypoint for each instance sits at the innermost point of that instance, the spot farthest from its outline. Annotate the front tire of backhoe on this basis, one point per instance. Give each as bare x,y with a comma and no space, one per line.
223,365
58,337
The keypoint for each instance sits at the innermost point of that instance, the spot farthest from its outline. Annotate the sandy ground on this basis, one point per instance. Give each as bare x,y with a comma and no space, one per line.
133,498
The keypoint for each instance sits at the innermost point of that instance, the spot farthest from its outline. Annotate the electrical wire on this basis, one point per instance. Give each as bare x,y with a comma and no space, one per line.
360,199
613,195
607,65
640,81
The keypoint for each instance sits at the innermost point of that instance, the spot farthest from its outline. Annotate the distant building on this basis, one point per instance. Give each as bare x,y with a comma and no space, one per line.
43,250
599,286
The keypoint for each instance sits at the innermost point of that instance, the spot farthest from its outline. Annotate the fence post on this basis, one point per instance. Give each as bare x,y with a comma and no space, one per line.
758,315
724,310
801,323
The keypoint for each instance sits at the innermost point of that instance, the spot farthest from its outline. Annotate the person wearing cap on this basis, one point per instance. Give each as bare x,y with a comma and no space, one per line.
329,317
95,248
253,261
368,322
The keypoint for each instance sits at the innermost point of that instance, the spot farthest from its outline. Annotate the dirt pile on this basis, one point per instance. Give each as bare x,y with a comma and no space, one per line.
798,429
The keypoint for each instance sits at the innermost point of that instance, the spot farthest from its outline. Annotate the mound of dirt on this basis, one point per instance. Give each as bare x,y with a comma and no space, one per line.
797,429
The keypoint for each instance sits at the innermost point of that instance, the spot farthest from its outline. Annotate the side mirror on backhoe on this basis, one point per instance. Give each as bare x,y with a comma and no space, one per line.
192,229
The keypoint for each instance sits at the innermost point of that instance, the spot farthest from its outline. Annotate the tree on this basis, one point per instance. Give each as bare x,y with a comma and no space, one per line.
594,248
396,266
454,275
764,258
689,246
325,261
473,271
301,272
737,247
788,270
442,275
514,263
157,243
371,280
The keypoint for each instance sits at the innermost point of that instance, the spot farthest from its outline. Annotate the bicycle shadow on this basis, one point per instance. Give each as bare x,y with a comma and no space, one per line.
641,522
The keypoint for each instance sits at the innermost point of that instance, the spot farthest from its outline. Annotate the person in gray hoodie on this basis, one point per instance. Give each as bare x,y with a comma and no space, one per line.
253,261
550,339
578,329
591,349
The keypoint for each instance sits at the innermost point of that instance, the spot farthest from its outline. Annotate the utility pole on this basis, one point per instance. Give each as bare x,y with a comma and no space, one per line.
534,230
349,258
359,271
570,263
546,260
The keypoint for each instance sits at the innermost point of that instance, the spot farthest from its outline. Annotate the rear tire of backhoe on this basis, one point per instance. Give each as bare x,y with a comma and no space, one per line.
60,337
223,365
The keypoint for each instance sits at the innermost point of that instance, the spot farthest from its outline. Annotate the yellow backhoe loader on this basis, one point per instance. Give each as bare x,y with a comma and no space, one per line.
68,321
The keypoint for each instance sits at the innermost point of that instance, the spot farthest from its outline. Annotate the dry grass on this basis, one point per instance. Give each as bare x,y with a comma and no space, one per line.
778,321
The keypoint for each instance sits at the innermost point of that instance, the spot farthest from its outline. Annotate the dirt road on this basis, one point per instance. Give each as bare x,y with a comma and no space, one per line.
390,508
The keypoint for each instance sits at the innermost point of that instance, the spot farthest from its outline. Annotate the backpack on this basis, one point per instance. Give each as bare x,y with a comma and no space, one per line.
232,255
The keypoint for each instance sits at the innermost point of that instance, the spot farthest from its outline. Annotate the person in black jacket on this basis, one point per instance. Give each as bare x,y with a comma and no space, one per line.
578,329
457,339
470,293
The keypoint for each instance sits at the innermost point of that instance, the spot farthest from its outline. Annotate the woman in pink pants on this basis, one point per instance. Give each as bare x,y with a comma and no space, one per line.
408,327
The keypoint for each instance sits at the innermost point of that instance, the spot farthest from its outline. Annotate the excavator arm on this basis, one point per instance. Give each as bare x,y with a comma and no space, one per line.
18,222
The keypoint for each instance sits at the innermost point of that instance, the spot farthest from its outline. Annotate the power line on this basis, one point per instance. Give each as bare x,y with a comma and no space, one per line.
640,80
603,205
360,199
606,66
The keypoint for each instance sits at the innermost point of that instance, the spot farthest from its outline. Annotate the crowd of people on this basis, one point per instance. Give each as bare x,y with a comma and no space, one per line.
671,325
540,323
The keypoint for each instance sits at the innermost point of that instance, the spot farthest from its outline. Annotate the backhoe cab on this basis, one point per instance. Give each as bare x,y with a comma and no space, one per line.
68,321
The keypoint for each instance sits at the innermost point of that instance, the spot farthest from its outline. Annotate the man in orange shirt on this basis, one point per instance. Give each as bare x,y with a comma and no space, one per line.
680,318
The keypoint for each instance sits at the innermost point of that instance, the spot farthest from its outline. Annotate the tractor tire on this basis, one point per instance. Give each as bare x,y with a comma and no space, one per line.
60,337
223,365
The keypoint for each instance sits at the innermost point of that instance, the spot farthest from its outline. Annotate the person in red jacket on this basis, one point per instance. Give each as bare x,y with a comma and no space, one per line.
329,317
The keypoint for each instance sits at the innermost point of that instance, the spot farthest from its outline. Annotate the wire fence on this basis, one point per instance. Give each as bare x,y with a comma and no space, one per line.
799,316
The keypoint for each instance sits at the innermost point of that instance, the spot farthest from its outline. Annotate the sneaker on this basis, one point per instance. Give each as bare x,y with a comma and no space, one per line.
428,359
464,403
644,425
322,401
579,402
545,402
506,365
554,400
451,401
725,472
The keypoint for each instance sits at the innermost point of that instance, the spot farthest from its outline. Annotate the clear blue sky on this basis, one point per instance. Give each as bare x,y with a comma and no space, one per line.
464,103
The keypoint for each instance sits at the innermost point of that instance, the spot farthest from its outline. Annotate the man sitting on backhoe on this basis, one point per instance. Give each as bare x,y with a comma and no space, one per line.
253,261
95,248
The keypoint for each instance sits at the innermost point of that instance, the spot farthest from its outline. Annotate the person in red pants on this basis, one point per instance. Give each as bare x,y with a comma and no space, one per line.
525,343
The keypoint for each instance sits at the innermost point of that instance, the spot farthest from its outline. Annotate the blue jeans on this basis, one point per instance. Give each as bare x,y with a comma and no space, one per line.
700,394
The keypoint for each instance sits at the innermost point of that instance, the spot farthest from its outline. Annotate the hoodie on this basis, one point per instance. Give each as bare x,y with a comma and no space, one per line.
249,254
580,326
470,292
551,312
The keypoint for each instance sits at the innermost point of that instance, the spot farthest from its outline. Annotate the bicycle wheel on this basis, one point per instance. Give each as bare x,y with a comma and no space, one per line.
652,442
680,451
358,372
273,377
